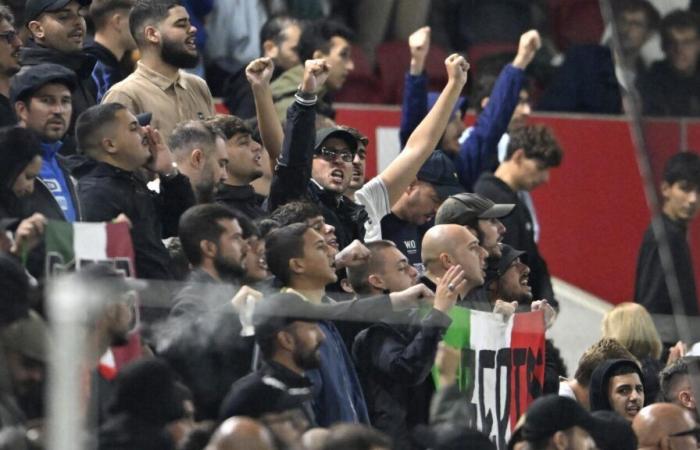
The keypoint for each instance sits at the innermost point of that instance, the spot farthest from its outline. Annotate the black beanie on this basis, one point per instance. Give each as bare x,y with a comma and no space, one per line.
146,390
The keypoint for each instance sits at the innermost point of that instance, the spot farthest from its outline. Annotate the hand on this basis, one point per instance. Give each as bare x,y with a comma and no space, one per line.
28,234
245,295
316,72
507,309
447,362
412,297
457,67
123,218
447,288
419,44
676,352
353,255
161,161
549,313
259,72
530,42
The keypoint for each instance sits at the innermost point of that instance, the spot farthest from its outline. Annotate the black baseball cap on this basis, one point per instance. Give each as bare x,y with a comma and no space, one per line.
440,171
499,267
34,8
465,207
336,132
553,413
31,78
277,311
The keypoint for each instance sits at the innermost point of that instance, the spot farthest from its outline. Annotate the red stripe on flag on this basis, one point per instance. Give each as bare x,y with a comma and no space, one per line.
527,350
119,245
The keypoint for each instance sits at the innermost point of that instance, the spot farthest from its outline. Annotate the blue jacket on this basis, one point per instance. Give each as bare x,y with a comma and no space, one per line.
479,153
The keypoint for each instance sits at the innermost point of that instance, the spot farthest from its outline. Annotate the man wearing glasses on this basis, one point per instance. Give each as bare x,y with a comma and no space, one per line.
57,29
9,64
665,426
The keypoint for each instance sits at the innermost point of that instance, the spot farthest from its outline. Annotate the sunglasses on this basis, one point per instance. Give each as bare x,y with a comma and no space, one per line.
693,431
332,154
9,36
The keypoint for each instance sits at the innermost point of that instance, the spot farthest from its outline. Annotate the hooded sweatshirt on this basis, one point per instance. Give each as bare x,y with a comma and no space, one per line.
598,390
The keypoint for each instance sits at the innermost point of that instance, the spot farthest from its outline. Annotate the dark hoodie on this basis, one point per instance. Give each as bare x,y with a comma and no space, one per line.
85,93
598,390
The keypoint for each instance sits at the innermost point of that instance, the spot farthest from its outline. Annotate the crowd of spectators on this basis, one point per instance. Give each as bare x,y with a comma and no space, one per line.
279,299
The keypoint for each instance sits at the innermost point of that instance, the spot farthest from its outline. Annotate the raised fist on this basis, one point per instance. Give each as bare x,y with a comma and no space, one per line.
457,67
530,42
316,73
259,71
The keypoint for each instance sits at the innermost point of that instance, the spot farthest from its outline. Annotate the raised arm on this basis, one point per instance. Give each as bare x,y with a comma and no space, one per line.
415,92
403,170
293,171
259,74
479,152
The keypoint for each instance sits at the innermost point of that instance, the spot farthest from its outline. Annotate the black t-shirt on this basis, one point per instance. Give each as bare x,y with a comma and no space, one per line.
406,236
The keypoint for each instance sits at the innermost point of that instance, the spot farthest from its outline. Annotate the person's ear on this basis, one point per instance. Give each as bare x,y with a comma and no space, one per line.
22,111
518,156
151,34
296,265
36,29
208,248
197,158
270,49
560,440
666,189
346,286
108,146
376,282
285,340
686,399
446,261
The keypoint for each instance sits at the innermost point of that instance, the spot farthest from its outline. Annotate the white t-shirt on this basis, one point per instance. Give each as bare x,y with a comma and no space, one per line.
375,198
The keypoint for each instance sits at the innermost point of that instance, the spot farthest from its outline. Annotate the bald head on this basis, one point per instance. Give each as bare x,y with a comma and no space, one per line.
656,422
447,245
241,433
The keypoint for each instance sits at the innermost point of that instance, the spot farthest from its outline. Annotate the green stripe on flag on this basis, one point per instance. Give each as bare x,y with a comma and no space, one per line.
60,255
457,336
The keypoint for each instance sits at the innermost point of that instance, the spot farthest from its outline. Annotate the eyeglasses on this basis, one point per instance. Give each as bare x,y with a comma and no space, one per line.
9,36
693,431
331,154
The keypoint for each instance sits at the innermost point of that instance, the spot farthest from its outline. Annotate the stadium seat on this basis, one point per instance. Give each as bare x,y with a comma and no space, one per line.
575,22
362,85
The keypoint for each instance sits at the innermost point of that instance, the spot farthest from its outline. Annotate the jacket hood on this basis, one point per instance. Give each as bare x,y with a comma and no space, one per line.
80,62
598,389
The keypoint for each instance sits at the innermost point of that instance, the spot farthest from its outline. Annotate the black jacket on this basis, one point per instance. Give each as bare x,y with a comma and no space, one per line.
84,95
292,179
394,359
106,191
650,284
519,233
7,112
272,389
243,199
124,432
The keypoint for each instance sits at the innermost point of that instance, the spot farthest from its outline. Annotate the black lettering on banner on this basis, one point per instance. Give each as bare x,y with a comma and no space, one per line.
487,360
503,363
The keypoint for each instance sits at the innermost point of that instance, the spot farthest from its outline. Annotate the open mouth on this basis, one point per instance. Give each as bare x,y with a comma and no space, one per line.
632,410
190,44
337,176
77,36
524,280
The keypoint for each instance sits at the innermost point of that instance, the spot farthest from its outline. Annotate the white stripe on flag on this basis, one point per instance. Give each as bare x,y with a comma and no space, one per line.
489,333
89,241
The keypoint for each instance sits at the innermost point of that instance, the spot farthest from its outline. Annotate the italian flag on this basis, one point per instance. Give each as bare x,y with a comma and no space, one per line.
502,366
70,246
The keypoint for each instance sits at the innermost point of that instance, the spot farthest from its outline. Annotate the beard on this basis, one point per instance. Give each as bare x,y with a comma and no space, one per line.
307,359
174,53
204,193
228,270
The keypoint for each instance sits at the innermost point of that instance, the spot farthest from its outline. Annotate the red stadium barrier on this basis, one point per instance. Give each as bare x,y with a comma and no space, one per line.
593,212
